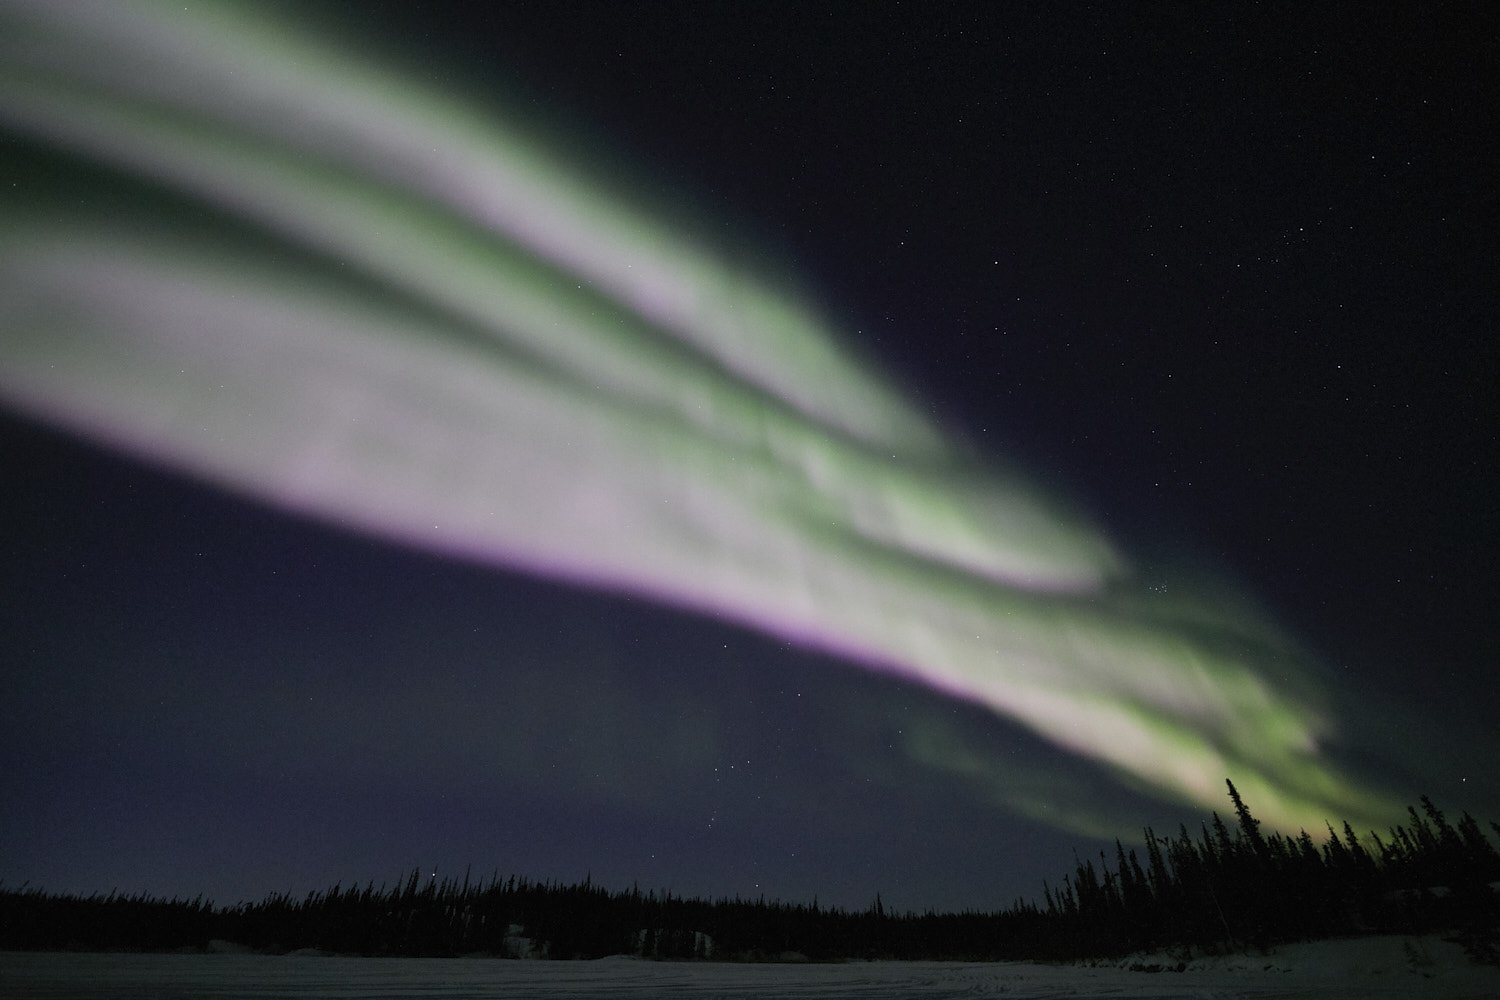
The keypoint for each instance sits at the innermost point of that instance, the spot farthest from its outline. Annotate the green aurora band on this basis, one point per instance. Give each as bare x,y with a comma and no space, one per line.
310,279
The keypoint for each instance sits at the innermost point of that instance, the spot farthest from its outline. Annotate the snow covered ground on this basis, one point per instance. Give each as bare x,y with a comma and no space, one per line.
1363,968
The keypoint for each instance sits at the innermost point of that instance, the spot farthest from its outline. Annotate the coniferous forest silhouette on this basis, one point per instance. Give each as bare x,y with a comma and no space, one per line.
1220,889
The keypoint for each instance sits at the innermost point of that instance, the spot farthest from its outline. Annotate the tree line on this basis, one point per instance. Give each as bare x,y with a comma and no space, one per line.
1222,888
1235,889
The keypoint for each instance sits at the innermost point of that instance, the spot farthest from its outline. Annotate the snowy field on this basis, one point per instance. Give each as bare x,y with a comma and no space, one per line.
1366,968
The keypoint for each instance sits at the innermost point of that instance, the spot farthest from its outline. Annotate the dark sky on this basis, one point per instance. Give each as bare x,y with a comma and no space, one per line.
1224,274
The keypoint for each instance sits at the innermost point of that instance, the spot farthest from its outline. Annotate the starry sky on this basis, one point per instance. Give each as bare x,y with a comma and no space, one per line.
1155,343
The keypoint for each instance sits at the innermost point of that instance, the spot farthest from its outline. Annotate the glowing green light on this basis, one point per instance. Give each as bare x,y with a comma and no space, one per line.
413,318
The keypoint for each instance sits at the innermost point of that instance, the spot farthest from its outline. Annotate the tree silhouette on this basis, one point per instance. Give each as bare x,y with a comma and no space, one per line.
1214,891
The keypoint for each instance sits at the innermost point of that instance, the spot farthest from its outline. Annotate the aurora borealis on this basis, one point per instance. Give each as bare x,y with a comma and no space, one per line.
289,270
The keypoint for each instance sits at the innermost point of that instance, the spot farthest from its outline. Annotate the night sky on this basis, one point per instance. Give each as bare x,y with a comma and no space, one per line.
1218,282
